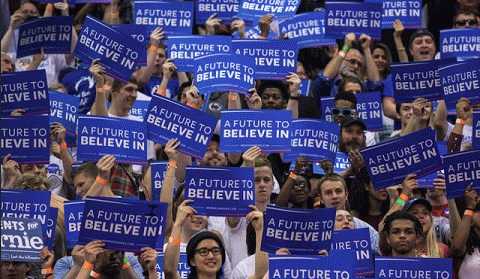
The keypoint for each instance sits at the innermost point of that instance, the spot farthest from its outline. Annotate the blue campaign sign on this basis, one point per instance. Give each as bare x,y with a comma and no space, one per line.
409,12
51,223
357,17
461,79
93,1
183,268
140,107
418,80
267,129
301,231
341,264
26,90
253,10
461,169
174,17
167,119
459,42
28,204
71,3
274,58
220,191
224,72
184,49
357,240
327,106
407,268
388,163
123,224
253,32
369,109
314,139
118,53
22,240
304,88
124,139
27,138
139,32
64,110
476,130
342,162
225,10
427,181
53,34
73,221
158,169
308,29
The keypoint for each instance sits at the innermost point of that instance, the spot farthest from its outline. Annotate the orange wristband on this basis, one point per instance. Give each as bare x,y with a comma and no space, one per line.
125,265
461,121
192,105
87,265
172,164
292,176
468,212
101,180
153,48
99,89
106,88
114,15
63,145
262,37
46,271
174,240
49,7
232,98
403,197
316,204
94,274
161,92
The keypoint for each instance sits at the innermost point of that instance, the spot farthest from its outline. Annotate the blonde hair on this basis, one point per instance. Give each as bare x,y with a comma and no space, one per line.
31,182
431,242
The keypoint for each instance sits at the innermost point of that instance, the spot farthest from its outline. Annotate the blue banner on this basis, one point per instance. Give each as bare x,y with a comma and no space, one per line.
26,90
64,110
388,163
22,240
304,88
27,204
409,12
167,119
118,53
27,138
220,191
253,32
242,129
314,139
157,169
301,231
461,80
224,72
53,34
225,10
427,181
369,109
407,268
357,240
461,169
253,10
274,58
139,32
71,3
122,138
327,106
339,265
184,49
183,268
476,130
341,163
418,80
51,223
175,18
308,29
73,221
463,42
123,224
357,17
93,1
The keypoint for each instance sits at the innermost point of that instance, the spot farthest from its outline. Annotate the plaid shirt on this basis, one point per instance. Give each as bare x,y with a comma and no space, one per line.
122,185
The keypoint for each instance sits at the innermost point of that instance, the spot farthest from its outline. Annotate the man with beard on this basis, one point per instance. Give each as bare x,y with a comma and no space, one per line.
352,137
355,59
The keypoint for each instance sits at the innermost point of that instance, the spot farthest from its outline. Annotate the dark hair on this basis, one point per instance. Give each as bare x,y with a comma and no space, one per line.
473,240
348,79
117,85
402,215
177,200
331,177
280,85
463,11
192,245
182,87
359,196
388,55
90,168
419,33
346,96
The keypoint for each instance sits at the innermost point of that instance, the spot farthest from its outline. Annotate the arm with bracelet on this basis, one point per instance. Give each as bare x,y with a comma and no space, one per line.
333,67
144,73
286,190
294,83
459,242
101,186
99,106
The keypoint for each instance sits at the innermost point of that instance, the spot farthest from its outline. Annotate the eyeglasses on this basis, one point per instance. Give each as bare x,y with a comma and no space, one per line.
471,22
204,251
345,112
355,62
300,186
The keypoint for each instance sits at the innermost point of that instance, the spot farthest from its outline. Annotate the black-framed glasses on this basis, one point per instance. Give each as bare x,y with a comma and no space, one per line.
353,62
471,22
346,112
204,251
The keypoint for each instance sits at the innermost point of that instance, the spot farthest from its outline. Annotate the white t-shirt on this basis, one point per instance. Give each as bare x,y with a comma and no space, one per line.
467,134
245,268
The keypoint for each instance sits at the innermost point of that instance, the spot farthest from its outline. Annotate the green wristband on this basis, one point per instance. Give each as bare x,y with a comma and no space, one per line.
400,201
345,48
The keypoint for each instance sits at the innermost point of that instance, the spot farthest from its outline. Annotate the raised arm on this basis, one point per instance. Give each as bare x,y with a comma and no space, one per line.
286,190
16,19
458,247
261,258
143,75
293,82
397,37
101,185
59,133
99,107
333,67
372,70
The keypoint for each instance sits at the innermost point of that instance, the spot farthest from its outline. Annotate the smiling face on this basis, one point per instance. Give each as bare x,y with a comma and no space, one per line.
423,215
380,59
213,157
207,265
423,48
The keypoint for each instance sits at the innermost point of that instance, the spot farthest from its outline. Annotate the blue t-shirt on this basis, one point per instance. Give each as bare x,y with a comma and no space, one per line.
80,83
154,82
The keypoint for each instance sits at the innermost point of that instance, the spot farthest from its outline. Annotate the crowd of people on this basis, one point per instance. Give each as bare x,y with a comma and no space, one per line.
403,220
